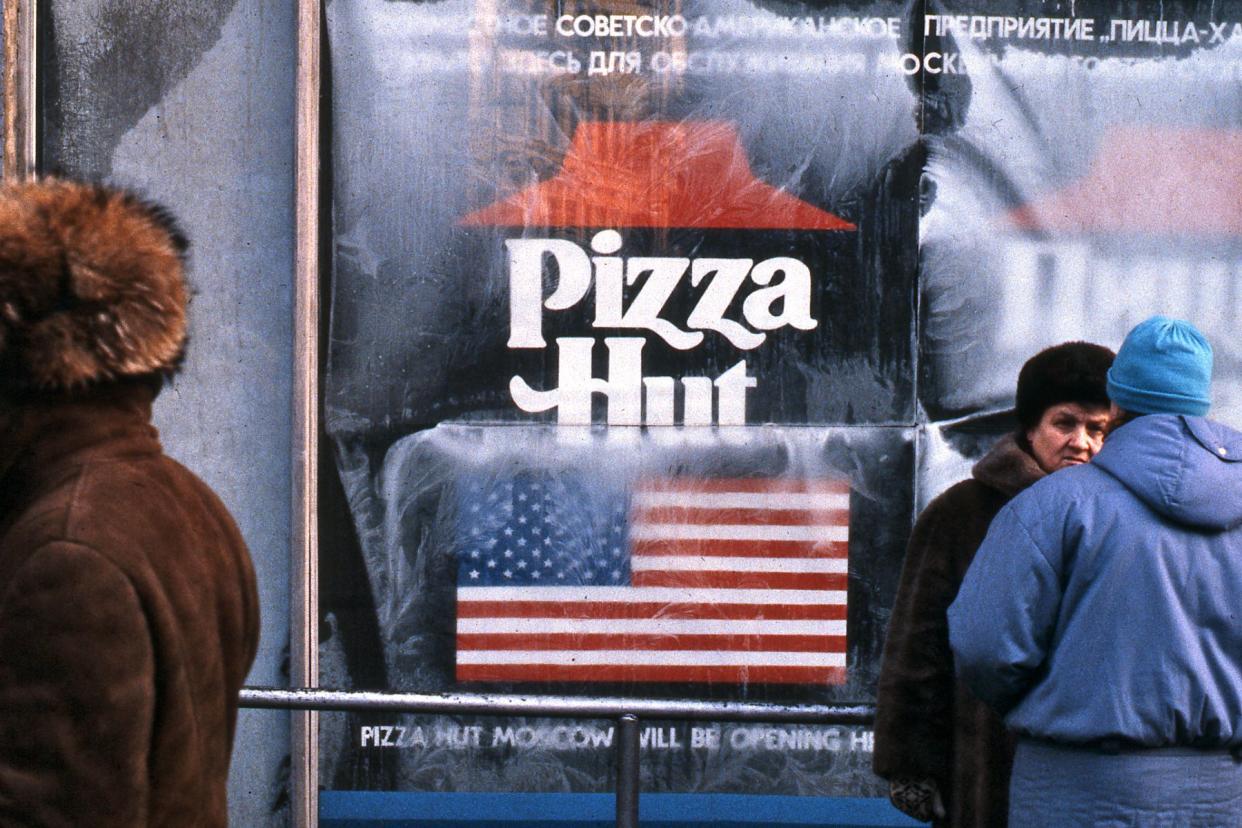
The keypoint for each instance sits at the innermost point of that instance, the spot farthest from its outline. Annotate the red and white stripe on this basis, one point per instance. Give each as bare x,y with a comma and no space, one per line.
733,581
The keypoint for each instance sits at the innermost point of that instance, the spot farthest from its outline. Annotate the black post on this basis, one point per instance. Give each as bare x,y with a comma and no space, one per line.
627,771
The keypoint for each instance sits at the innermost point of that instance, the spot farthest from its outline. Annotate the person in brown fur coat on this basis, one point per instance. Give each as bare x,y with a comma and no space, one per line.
128,609
947,755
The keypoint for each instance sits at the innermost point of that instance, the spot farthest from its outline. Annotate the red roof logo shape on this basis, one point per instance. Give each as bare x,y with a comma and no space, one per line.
1175,181
656,174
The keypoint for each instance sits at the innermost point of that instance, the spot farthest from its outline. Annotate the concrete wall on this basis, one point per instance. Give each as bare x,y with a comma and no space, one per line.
191,102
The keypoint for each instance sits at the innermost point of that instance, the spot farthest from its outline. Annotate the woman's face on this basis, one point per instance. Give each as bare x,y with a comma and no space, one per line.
1068,434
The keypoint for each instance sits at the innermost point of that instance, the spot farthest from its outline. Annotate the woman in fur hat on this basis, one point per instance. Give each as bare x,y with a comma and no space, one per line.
128,609
947,756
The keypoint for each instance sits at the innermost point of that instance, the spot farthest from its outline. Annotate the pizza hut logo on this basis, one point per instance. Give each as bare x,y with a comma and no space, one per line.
629,175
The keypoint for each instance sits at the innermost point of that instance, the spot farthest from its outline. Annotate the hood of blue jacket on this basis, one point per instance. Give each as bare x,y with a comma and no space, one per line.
1188,469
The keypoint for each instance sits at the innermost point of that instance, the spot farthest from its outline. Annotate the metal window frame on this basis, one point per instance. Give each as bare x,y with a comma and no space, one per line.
20,90
304,566
306,700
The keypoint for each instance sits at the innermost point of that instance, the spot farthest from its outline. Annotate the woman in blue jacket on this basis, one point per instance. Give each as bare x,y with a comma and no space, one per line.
1102,616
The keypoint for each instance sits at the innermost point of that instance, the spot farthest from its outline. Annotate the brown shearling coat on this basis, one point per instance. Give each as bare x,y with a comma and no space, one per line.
128,621
928,724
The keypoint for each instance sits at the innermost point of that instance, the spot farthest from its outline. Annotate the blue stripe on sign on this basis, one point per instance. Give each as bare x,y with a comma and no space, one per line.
391,809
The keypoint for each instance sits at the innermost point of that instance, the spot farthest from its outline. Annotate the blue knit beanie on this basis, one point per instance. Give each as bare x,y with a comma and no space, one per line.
1163,367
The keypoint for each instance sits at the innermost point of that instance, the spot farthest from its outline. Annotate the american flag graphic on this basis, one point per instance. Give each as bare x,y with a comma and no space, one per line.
678,580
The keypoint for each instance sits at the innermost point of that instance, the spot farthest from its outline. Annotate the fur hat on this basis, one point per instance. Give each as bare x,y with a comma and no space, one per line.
92,286
1070,372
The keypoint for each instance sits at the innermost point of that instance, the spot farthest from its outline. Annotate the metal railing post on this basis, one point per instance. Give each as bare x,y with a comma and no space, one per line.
627,771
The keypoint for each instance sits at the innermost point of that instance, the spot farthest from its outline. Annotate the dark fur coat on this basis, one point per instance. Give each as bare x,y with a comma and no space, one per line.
928,725
128,610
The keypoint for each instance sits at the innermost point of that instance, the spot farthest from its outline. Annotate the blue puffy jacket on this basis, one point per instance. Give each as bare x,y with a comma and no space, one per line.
1106,600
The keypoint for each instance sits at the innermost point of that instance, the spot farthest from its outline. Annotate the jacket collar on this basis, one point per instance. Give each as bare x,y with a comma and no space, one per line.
44,437
1008,467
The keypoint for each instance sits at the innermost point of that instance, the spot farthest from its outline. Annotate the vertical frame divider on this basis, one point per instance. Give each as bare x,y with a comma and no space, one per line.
304,621
20,117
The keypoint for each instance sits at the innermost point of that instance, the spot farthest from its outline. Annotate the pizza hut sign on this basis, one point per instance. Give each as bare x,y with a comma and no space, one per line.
639,178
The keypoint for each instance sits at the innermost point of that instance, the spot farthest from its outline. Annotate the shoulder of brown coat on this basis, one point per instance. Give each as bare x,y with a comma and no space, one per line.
967,499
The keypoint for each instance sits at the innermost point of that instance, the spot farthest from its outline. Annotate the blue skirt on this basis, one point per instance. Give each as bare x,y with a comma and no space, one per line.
1059,787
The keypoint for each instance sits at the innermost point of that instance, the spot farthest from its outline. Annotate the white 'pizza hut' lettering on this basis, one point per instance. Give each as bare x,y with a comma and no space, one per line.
660,278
